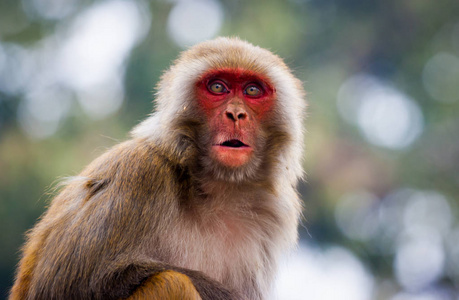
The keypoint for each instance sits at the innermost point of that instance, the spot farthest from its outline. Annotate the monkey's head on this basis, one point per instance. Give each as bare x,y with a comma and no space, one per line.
237,104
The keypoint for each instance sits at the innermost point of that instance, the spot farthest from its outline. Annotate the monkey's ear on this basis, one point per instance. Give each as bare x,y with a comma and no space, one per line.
94,186
166,285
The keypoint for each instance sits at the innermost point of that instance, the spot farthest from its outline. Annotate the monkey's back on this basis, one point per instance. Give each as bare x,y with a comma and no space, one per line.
91,224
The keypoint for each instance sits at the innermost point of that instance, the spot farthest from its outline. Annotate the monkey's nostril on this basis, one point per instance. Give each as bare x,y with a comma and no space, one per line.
241,116
230,116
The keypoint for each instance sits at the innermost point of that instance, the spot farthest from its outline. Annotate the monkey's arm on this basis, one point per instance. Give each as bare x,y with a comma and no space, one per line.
92,242
165,282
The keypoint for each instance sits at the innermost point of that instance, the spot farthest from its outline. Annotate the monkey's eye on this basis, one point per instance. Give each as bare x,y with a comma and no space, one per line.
217,87
253,90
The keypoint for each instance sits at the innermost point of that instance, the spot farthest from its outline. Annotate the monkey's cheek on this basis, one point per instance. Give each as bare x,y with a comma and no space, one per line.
232,157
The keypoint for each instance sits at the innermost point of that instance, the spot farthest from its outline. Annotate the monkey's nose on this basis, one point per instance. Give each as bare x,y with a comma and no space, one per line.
236,116
236,113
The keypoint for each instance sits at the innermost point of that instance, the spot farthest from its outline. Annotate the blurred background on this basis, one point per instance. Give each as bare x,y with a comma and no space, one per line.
382,160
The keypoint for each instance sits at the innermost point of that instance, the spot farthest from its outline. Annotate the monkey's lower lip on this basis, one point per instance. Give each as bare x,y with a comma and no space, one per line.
232,154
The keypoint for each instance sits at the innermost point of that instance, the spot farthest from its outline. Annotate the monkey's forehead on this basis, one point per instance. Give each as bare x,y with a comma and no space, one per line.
231,53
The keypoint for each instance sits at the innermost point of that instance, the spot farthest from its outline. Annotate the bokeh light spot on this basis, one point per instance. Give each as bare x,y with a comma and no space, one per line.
441,77
452,249
390,119
41,111
99,41
191,22
333,274
430,209
15,69
356,215
102,100
386,117
419,258
92,59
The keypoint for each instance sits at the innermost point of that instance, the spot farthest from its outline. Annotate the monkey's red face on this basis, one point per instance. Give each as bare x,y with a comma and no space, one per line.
235,102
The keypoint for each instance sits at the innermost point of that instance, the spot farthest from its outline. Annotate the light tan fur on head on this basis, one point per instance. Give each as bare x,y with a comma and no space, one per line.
178,83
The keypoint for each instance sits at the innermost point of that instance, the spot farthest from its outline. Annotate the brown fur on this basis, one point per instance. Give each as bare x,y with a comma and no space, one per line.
154,218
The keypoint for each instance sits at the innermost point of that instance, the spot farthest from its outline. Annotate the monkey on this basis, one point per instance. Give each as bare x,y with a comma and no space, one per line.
199,203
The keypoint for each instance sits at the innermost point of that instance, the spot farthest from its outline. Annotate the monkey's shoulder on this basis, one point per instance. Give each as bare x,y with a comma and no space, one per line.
130,158
135,170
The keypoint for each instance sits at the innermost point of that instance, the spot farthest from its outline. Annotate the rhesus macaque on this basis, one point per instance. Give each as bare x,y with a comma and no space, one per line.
199,204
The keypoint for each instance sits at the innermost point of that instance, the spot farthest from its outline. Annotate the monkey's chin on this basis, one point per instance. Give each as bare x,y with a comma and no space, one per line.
232,157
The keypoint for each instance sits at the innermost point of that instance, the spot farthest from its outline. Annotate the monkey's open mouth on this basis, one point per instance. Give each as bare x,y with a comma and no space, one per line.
232,153
234,144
